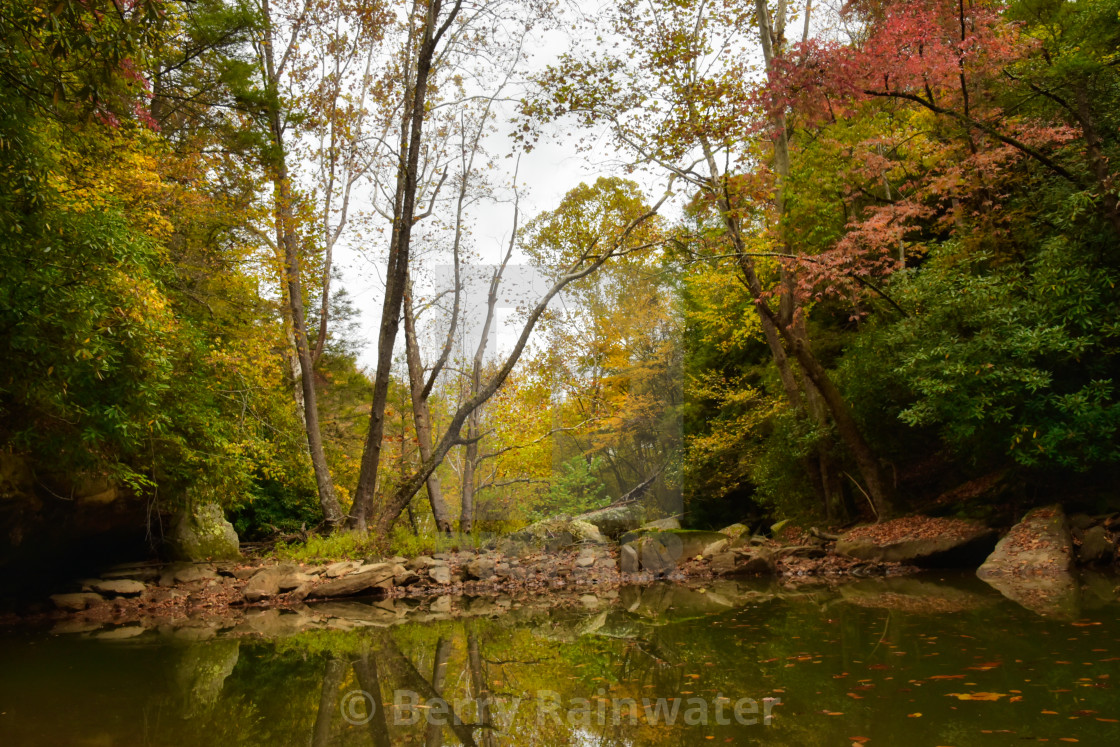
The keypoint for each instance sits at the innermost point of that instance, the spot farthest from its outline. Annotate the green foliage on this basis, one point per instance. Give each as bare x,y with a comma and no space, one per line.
319,548
1015,361
576,489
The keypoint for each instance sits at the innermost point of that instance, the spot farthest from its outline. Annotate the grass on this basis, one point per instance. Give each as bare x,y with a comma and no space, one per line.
351,546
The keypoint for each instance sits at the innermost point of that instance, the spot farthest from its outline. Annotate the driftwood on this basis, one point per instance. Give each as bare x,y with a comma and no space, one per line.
638,491
823,535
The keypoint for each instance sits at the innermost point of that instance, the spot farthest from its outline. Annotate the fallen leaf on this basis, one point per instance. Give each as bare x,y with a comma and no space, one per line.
978,696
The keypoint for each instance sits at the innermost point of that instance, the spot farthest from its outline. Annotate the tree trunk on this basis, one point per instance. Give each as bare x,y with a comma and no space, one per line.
287,241
397,270
422,415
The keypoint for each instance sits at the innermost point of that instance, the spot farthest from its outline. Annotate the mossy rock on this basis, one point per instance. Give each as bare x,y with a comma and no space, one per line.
684,543
202,533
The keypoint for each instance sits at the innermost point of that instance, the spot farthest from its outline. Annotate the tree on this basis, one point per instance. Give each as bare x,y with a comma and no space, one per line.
687,119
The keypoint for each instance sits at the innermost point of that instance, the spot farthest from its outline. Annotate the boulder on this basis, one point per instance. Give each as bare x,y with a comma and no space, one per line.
656,555
420,562
365,580
1040,544
585,531
202,533
628,555
335,570
1096,547
480,569
612,521
440,574
1033,565
118,587
186,573
403,576
76,602
681,543
735,531
756,562
556,533
715,548
662,524
918,540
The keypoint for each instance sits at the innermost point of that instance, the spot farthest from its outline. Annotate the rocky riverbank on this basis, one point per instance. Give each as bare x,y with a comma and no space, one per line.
571,563
581,573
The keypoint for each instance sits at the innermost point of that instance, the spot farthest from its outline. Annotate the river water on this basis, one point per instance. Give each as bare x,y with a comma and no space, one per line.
929,660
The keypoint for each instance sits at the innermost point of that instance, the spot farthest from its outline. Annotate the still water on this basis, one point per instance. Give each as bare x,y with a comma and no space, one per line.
931,660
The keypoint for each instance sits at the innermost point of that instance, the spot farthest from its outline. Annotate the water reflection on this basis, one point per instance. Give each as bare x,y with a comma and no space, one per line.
930,660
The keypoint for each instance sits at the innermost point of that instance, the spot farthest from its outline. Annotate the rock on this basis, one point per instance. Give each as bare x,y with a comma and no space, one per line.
440,574
397,560
918,540
1081,522
335,570
420,562
585,561
186,573
118,587
735,531
681,543
612,521
134,572
365,579
589,600
441,605
629,559
403,576
661,524
202,533
725,563
556,533
1033,565
246,573
1095,547
584,531
715,548
76,602
1040,544
480,569
755,562
263,585
657,556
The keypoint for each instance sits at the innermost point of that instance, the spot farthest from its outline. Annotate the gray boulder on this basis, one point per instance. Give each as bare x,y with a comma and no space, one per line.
480,569
76,602
628,555
1040,544
917,540
1096,547
440,574
612,521
118,587
366,579
1033,565
202,533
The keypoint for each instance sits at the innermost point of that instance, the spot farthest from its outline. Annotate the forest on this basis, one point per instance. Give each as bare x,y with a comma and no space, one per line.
839,261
